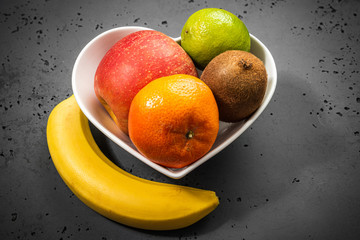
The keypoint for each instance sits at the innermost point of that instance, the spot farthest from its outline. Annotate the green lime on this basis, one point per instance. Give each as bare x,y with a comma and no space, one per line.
211,31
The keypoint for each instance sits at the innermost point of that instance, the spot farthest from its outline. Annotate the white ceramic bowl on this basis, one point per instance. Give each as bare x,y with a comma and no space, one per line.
83,89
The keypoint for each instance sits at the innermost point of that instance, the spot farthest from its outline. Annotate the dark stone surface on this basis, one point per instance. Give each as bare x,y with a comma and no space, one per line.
294,174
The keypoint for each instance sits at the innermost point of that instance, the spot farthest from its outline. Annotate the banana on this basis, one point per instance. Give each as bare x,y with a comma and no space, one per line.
111,191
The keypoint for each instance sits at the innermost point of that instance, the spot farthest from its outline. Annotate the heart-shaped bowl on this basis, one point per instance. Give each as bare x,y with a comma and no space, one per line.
83,89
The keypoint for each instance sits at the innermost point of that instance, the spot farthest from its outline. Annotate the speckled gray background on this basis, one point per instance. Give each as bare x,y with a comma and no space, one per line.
294,174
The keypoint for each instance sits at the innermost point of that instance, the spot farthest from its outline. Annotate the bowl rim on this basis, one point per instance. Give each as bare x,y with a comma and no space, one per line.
172,173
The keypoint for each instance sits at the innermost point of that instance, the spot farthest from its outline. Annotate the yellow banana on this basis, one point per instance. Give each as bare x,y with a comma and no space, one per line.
111,191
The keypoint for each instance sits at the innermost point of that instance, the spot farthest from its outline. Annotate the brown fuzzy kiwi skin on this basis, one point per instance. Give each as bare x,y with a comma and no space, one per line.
238,80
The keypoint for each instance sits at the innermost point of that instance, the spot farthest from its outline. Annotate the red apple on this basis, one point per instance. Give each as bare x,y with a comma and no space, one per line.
133,62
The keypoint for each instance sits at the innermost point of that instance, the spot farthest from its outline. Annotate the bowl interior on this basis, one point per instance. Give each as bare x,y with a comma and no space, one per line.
83,89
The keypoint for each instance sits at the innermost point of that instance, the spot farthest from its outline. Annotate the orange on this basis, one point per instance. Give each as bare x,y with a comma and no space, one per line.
174,120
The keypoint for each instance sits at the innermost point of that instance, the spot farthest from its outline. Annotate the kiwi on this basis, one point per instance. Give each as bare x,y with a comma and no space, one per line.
238,81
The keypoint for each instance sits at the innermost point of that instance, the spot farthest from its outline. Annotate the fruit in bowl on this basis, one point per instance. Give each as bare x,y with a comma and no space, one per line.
174,120
133,62
83,88
238,80
212,31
